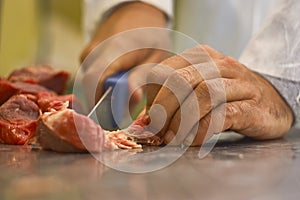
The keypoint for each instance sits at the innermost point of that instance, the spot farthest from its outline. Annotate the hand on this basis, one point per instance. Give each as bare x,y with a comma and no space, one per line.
120,50
204,92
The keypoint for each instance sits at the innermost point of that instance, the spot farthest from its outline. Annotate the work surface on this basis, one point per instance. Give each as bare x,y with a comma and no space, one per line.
235,169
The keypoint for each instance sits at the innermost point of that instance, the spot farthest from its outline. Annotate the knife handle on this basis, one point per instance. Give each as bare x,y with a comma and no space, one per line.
116,101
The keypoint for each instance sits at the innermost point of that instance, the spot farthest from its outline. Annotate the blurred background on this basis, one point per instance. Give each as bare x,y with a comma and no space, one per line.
40,32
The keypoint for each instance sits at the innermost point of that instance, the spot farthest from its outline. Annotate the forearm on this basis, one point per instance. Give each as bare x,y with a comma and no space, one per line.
290,91
128,16
95,11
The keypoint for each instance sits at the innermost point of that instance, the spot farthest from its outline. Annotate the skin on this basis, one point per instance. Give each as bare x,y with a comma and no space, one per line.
253,107
127,17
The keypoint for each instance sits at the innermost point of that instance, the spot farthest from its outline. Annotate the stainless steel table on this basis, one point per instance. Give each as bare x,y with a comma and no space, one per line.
237,168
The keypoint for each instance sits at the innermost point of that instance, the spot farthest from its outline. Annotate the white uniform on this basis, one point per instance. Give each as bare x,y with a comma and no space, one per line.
225,25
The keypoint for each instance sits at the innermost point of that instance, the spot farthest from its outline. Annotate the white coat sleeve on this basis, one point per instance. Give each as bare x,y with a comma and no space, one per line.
290,92
95,11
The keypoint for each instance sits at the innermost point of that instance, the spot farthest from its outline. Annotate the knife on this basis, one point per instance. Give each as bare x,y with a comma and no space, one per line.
109,110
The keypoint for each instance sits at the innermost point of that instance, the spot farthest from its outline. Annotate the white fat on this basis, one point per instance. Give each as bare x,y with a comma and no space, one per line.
65,105
53,116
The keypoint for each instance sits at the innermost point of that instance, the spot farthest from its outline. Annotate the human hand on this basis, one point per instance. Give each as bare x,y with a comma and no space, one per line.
120,50
203,92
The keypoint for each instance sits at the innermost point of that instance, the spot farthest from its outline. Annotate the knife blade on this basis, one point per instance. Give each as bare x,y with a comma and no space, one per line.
93,111
109,110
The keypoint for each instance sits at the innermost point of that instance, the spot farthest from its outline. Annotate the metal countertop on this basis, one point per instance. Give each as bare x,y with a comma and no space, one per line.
238,168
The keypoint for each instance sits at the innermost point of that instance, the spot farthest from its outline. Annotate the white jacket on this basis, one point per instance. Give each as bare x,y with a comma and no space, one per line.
226,25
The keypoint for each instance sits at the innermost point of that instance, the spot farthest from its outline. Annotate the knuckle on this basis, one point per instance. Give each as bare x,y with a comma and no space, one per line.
185,73
190,73
227,62
180,81
236,110
180,76
216,89
202,91
157,75
211,92
231,110
171,59
205,122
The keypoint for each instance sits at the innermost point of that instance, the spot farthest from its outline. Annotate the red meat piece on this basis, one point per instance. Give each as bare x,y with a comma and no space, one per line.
48,101
6,90
67,131
43,75
17,134
139,130
18,120
28,88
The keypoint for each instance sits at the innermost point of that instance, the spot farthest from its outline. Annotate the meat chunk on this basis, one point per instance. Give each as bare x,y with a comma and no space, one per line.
18,120
28,88
48,101
6,90
19,108
17,134
67,131
42,75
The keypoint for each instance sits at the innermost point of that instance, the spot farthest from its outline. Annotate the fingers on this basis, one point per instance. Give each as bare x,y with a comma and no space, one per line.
207,96
123,63
226,116
233,119
161,72
214,94
202,79
157,76
212,52
138,75
174,91
200,58
97,72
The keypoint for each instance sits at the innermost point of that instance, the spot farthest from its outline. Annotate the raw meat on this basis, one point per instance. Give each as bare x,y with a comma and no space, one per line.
42,75
30,106
6,90
67,131
139,131
48,101
28,88
17,134
18,120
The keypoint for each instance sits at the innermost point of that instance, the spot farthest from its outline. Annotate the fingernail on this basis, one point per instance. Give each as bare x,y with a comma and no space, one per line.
146,119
